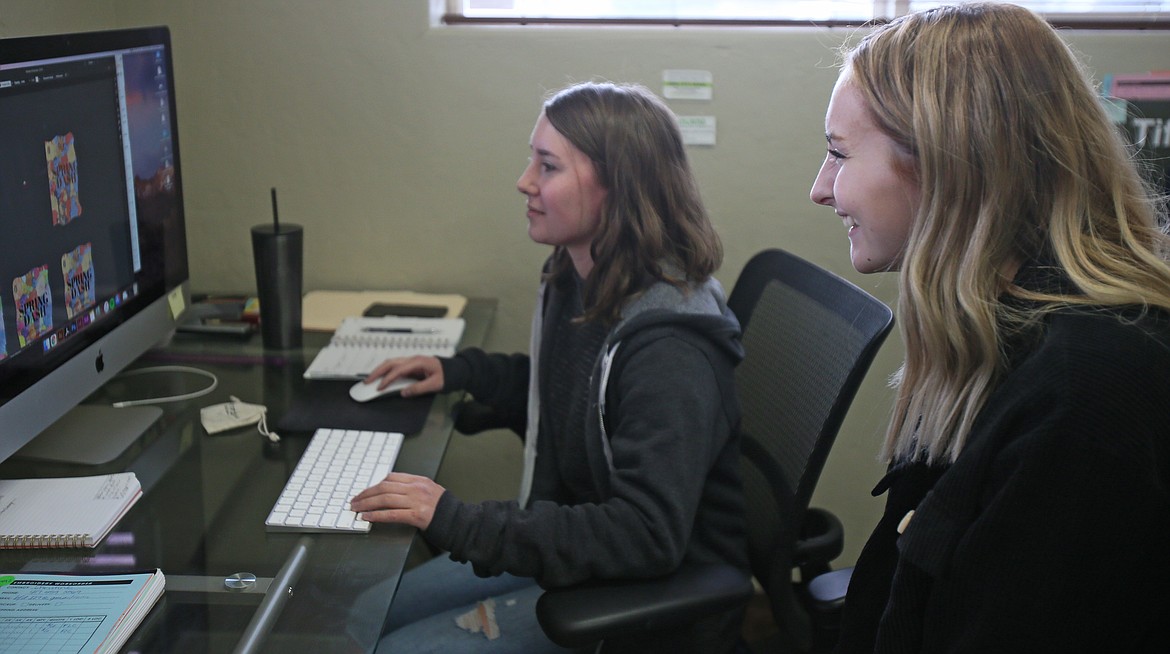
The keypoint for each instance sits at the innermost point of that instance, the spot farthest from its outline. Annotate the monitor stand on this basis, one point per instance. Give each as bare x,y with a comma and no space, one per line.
91,434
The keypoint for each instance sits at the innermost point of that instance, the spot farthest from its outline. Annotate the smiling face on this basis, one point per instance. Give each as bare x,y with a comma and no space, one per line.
565,198
861,180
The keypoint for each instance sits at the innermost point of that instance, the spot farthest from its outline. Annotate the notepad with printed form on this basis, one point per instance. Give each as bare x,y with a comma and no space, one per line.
64,511
361,343
74,613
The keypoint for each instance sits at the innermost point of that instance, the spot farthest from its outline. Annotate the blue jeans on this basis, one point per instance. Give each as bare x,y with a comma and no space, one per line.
432,596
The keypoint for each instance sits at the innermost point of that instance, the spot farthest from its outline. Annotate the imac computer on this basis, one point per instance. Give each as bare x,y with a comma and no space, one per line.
93,253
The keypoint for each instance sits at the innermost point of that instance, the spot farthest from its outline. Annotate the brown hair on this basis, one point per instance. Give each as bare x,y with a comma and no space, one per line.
653,214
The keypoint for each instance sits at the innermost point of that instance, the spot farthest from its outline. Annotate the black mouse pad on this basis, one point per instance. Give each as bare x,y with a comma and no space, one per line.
328,404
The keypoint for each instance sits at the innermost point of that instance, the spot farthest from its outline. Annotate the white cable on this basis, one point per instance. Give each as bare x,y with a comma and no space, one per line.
171,398
262,427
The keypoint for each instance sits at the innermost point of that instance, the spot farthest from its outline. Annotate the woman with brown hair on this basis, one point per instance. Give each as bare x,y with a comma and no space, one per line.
626,400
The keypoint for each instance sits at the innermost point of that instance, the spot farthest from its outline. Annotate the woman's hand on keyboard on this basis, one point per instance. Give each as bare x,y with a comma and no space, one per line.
400,497
424,368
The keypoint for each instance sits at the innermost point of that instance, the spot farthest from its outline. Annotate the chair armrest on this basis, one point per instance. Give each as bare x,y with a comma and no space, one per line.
822,539
591,612
827,592
824,597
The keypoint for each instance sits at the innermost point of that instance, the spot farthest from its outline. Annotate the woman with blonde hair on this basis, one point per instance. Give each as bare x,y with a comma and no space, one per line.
1028,493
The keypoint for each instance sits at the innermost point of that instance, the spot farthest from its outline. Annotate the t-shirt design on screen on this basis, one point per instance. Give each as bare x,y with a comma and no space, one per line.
77,269
34,305
61,157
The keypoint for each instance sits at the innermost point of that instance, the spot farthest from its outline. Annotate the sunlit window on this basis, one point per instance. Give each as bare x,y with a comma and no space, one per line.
1100,13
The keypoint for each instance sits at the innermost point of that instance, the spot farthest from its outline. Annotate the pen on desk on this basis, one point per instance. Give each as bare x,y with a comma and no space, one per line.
400,330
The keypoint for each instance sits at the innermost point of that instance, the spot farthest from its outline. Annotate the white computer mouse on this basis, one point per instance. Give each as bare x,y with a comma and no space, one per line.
363,392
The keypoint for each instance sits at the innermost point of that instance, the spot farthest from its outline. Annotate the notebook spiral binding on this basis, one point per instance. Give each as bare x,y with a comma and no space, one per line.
405,341
43,540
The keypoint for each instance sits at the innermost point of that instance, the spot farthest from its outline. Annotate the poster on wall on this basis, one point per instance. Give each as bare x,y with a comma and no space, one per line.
1141,103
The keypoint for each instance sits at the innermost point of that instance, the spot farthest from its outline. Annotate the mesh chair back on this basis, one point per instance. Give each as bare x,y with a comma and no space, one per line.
809,336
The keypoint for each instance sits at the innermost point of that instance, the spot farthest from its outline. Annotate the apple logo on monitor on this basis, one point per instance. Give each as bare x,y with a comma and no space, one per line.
100,362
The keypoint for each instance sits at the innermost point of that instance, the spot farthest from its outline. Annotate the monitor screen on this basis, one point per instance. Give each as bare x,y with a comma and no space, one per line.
93,254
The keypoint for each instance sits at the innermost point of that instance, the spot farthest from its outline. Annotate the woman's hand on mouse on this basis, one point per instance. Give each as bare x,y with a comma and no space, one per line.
427,370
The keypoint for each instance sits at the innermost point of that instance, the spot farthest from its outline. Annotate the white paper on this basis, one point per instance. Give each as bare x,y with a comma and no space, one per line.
688,85
697,130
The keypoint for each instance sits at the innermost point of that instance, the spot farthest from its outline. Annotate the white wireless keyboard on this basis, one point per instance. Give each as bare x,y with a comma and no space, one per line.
337,465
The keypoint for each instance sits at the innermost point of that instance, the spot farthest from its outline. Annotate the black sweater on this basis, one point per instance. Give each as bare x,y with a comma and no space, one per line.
1050,531
664,464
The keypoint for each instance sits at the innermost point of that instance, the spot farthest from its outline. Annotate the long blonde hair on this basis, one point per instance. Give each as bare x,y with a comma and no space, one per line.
1015,159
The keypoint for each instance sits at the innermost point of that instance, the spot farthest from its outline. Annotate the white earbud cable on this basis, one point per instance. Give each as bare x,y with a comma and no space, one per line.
170,398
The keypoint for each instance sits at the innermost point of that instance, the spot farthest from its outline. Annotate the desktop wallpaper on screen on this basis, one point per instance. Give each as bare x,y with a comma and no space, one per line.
153,158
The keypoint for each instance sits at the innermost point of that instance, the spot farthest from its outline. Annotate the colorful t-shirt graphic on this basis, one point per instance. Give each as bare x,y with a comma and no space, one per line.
61,157
34,305
77,269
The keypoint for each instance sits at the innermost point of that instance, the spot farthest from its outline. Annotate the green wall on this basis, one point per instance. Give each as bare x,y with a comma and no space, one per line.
397,142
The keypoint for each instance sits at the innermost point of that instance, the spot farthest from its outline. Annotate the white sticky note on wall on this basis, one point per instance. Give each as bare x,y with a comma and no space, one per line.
688,85
697,130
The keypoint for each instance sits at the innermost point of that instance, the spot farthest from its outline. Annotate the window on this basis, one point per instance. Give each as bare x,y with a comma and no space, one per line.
1105,14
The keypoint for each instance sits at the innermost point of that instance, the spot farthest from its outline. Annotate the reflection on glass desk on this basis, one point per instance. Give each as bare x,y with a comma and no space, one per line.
230,584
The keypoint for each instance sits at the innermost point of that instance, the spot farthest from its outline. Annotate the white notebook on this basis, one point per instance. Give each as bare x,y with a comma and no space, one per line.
64,511
361,343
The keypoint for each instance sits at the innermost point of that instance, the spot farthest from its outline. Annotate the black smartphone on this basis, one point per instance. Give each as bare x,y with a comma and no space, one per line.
413,310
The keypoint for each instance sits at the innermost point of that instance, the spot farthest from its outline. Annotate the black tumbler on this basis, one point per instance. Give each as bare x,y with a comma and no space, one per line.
279,255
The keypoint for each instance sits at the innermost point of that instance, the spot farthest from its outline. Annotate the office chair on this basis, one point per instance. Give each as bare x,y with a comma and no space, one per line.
809,336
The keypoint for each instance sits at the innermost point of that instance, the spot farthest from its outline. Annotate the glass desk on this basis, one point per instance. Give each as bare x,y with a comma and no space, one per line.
231,586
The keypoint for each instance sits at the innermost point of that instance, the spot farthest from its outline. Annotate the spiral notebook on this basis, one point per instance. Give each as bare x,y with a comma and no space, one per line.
64,511
361,343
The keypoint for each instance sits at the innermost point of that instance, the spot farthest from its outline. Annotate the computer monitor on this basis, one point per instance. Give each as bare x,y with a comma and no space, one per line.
93,253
